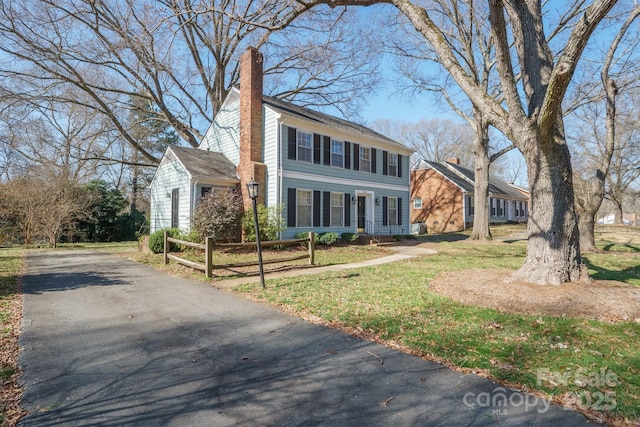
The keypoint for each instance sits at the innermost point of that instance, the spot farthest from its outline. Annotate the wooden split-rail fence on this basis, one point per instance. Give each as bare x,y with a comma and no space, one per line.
208,248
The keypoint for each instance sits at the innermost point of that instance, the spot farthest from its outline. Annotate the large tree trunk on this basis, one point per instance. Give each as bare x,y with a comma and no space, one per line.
481,184
586,224
553,249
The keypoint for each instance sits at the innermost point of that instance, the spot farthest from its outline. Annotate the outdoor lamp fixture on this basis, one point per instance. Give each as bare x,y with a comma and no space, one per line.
252,188
377,201
354,200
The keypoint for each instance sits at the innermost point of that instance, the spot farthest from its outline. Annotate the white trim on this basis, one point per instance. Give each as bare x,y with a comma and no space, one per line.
342,181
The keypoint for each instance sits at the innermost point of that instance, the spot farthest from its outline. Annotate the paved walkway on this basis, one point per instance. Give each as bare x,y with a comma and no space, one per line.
109,342
401,252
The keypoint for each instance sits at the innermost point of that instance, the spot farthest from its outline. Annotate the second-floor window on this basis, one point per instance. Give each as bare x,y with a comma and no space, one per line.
304,142
392,167
337,153
417,203
365,159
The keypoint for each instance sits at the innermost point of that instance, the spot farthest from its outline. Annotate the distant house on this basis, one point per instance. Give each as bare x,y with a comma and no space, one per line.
632,219
442,197
327,173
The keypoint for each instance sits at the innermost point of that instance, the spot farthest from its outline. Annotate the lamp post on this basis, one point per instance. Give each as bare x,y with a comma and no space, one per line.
252,188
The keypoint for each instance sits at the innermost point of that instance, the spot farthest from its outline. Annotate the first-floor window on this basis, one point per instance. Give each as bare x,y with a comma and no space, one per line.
392,210
417,203
337,209
303,208
472,208
493,207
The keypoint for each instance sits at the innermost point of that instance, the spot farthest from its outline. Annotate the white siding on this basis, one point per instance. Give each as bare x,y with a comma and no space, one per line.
224,133
170,174
270,150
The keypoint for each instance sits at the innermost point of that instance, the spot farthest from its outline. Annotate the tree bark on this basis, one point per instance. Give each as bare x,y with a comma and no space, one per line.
553,251
481,228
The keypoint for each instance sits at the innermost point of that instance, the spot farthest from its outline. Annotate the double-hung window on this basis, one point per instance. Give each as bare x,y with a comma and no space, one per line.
303,208
337,209
392,210
365,159
417,203
337,153
392,164
304,142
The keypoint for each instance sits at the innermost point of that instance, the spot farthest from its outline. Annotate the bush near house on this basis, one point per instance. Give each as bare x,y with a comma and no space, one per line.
270,222
156,240
218,215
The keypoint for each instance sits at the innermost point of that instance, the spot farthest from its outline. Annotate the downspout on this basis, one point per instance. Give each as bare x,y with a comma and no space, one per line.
464,211
193,204
279,166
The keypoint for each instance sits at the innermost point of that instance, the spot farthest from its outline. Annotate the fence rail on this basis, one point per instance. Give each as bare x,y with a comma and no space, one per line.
209,246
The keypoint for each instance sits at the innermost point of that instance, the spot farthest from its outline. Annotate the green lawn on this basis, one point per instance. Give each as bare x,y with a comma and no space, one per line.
562,357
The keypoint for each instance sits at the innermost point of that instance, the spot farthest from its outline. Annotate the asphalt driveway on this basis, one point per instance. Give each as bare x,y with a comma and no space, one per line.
108,342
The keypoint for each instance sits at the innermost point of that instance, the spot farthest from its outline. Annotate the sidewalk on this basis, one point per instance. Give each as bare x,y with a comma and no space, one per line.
401,252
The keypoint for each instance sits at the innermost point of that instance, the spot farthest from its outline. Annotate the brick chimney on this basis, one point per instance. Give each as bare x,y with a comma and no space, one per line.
454,160
251,164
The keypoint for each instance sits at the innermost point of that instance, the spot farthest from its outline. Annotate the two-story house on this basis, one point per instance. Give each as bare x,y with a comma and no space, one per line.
328,174
442,197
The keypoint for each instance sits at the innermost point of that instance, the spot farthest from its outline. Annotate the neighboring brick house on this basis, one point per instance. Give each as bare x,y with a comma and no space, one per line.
327,173
442,197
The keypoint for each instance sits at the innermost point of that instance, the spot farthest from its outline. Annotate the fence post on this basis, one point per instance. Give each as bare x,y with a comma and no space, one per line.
208,257
166,246
312,248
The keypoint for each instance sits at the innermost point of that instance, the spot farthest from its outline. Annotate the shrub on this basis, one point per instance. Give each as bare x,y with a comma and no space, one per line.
305,235
270,222
156,240
349,237
327,239
218,216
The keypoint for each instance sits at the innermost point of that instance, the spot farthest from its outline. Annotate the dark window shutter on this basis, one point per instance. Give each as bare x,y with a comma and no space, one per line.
327,151
399,166
292,143
347,155
385,161
374,160
385,220
326,208
291,207
399,206
316,148
356,157
316,208
347,210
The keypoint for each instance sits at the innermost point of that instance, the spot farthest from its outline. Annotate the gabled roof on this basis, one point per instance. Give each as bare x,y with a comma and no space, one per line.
205,165
465,178
346,126
464,184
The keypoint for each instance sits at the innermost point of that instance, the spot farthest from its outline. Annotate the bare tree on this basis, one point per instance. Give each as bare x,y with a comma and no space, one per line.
437,140
178,57
590,186
530,115
465,24
41,205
